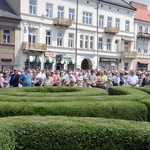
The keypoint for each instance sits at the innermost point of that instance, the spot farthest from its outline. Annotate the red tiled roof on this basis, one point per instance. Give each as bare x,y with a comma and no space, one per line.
142,15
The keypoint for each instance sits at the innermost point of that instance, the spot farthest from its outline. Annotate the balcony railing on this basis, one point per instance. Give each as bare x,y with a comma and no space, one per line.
129,54
34,46
62,22
143,35
111,30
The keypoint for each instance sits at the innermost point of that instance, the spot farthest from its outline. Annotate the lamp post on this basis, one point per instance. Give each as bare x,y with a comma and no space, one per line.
76,41
97,34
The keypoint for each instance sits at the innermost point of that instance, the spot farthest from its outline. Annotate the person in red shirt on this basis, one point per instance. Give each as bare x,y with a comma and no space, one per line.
54,77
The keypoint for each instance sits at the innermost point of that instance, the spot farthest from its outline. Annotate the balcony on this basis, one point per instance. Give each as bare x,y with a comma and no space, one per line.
143,35
34,46
111,30
62,22
129,54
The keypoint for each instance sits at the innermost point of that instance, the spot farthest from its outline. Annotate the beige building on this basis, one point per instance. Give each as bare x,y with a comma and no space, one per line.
9,36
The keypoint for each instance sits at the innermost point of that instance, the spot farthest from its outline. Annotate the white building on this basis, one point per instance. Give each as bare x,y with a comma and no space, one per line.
49,36
142,37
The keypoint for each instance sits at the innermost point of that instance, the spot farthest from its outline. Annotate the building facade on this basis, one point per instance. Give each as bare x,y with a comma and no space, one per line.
62,34
9,36
142,37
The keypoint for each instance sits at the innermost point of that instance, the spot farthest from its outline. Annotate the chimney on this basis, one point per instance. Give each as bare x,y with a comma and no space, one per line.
138,5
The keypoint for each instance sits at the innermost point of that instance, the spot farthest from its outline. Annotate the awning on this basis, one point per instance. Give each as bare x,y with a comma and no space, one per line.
71,61
143,62
49,60
30,58
62,62
127,39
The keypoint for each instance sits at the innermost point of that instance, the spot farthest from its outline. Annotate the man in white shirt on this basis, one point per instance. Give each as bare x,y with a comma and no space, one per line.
133,80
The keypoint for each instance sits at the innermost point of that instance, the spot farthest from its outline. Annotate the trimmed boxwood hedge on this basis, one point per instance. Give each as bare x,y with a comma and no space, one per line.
71,133
107,109
145,89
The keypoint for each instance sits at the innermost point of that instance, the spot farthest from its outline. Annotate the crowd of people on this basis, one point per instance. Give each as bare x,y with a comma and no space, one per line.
81,78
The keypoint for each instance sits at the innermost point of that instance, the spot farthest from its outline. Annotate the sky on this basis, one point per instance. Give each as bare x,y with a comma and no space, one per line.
146,2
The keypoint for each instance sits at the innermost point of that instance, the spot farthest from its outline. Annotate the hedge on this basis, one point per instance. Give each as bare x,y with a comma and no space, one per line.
129,110
72,133
145,89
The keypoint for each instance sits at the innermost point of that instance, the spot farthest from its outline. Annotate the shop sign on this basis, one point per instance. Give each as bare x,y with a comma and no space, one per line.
49,54
109,59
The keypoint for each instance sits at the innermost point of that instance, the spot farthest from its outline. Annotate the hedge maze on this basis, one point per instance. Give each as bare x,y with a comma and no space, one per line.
63,118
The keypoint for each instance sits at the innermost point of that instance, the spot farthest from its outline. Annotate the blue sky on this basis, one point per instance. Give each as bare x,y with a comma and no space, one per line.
146,2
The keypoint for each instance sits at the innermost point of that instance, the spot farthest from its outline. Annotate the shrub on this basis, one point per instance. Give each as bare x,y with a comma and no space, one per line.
59,133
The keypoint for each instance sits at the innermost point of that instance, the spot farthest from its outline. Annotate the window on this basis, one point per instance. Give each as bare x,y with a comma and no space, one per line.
60,12
59,38
127,24
86,41
91,42
49,10
48,37
87,18
117,25
140,45
140,29
145,47
109,21
126,46
146,30
71,14
32,35
71,40
108,44
100,43
101,20
126,66
32,7
6,36
116,45
81,41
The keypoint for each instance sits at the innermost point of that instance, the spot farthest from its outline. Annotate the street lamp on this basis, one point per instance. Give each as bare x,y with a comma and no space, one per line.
76,41
97,34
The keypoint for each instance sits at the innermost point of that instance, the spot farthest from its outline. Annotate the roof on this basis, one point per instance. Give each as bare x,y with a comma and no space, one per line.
120,3
7,11
142,15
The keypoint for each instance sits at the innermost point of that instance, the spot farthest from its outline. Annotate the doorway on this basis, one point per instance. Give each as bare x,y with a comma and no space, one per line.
86,64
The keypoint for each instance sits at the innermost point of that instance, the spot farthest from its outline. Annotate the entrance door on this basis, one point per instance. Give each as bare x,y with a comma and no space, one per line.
86,64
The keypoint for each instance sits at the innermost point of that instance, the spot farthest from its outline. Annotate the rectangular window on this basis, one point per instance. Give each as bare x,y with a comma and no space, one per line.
126,66
71,14
140,45
109,21
108,44
59,38
60,12
116,45
101,21
32,7
87,18
126,46
146,30
49,10
6,36
117,24
91,42
86,41
48,37
140,29
127,25
32,35
145,47
71,40
100,43
81,41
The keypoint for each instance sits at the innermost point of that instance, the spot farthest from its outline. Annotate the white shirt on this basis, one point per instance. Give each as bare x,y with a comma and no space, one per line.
132,79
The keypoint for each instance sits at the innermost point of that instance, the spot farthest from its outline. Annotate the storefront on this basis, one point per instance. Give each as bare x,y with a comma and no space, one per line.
140,64
71,64
109,63
48,63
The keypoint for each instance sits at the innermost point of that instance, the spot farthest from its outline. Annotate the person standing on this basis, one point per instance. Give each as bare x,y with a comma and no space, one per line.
14,78
25,78
133,80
